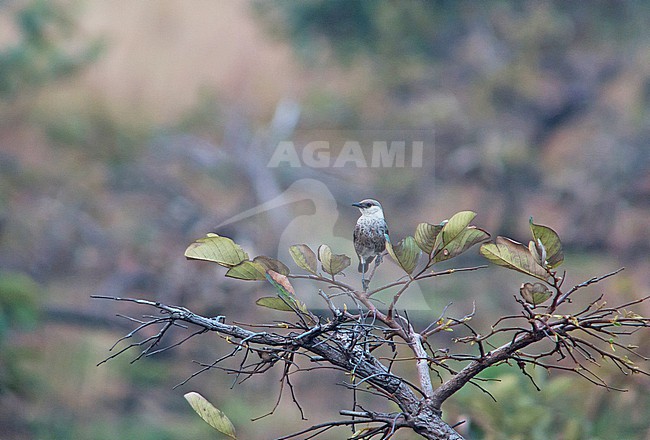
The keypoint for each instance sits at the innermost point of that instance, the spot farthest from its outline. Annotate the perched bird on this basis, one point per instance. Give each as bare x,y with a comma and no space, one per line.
369,235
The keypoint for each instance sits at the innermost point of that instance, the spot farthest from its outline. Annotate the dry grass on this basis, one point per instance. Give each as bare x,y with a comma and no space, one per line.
161,55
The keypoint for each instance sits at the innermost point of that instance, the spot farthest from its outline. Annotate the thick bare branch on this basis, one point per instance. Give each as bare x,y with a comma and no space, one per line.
330,342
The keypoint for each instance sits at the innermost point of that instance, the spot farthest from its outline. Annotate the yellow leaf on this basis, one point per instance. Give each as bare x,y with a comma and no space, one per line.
220,250
211,415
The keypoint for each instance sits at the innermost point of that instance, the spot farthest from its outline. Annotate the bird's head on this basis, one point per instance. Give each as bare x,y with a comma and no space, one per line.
370,207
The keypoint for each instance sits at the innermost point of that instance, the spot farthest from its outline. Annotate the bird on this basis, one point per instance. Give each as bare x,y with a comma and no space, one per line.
369,236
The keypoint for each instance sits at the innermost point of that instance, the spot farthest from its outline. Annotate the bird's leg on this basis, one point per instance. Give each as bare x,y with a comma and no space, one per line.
364,282
372,273
378,260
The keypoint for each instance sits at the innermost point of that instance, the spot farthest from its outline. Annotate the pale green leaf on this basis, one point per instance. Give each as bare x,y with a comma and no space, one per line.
406,253
462,242
391,250
220,250
211,415
454,226
304,257
551,242
513,255
247,270
425,236
275,303
332,263
535,294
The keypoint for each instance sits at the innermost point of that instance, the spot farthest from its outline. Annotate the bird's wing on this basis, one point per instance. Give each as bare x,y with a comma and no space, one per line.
357,245
355,238
380,245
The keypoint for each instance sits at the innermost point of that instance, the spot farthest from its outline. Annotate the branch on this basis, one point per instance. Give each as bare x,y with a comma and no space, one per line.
590,281
609,322
501,354
331,342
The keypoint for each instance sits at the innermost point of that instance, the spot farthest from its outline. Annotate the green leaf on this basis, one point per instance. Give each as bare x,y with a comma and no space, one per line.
462,242
272,264
451,238
551,242
535,294
211,415
425,236
220,250
275,303
513,255
247,270
454,226
406,253
304,257
332,263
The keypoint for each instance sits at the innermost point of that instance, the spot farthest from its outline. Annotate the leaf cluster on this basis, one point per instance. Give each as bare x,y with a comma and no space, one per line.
437,243
543,254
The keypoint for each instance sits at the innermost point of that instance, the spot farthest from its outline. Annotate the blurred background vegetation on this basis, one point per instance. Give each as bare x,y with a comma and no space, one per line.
130,128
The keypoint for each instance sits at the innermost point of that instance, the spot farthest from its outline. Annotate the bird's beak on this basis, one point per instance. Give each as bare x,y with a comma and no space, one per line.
358,205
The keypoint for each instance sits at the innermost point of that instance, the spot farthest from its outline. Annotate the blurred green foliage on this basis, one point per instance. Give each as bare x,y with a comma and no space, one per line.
18,302
61,426
93,131
39,56
564,408
399,31
353,28
19,311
